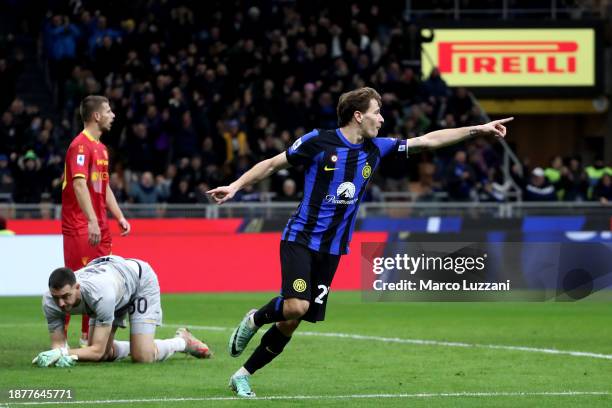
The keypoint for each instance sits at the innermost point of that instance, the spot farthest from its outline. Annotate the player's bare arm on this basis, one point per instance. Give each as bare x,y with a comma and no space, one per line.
258,172
99,345
113,206
445,137
84,199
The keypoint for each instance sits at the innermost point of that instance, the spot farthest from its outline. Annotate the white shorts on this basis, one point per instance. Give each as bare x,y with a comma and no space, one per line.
145,310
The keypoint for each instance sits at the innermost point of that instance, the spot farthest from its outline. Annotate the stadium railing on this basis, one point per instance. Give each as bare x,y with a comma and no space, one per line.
394,209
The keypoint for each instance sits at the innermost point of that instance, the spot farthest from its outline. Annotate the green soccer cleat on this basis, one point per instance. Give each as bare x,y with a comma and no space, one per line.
240,385
195,347
241,335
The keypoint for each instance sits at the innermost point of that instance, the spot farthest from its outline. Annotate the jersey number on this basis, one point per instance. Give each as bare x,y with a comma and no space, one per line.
324,291
139,304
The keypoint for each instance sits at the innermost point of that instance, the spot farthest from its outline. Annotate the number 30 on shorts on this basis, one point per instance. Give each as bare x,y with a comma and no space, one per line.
139,304
324,291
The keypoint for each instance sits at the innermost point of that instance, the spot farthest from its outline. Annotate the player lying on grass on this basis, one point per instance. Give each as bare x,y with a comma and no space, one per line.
108,289
339,164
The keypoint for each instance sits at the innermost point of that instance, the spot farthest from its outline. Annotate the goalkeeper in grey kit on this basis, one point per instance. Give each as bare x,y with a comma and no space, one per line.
109,289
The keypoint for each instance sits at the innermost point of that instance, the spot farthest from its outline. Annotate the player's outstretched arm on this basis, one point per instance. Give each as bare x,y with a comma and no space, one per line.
446,137
257,173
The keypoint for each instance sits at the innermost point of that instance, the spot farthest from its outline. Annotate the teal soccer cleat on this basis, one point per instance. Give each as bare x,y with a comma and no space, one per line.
241,335
240,385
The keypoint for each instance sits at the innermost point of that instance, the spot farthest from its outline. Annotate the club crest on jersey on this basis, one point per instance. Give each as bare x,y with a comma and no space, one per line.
345,194
81,149
366,171
80,159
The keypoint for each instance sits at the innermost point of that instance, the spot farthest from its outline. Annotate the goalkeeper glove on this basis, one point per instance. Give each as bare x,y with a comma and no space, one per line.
66,361
51,357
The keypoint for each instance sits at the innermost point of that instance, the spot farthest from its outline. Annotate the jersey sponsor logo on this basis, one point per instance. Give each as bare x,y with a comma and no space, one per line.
296,144
299,285
80,159
99,175
366,171
329,168
345,194
102,162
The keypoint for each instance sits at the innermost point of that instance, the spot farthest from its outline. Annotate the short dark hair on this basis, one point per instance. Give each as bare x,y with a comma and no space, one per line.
91,104
355,100
61,277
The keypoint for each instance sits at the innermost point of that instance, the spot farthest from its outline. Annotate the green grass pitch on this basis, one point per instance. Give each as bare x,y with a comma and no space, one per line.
381,369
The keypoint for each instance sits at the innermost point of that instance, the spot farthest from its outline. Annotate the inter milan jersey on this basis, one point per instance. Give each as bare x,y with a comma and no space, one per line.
86,158
337,173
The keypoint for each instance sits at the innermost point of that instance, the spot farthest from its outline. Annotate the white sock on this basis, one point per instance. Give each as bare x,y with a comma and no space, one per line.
241,371
167,347
122,349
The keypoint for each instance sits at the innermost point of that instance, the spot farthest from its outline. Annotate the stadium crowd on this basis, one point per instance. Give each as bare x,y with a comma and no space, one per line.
202,91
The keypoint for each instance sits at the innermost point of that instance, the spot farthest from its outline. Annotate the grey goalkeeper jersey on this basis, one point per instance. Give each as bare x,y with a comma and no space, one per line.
108,285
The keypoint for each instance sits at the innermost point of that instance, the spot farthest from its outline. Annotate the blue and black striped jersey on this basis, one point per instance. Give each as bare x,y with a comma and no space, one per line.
337,173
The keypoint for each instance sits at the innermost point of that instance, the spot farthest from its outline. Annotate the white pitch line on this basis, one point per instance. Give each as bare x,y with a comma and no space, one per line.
398,340
326,397
427,342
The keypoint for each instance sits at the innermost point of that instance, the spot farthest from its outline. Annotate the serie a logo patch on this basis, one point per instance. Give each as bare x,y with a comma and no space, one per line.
80,159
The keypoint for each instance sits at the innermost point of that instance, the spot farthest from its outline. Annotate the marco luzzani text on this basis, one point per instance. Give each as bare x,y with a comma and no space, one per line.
422,264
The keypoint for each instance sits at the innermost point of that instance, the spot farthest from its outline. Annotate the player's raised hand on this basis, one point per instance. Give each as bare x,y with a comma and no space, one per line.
124,226
496,128
222,194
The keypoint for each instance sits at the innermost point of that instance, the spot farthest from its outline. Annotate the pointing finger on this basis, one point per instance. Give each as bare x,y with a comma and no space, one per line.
504,120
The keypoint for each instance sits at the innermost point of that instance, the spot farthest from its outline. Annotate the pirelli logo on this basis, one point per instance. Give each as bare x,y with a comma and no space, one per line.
513,57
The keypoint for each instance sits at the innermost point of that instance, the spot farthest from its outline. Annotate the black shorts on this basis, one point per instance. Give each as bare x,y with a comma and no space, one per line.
307,274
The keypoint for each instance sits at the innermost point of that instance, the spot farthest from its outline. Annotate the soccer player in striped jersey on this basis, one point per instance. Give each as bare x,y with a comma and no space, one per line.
338,163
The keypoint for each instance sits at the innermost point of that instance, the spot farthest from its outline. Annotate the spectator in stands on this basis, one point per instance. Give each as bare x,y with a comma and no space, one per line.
574,181
236,143
603,189
289,192
435,86
539,188
28,179
460,178
145,191
6,178
182,194
460,105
